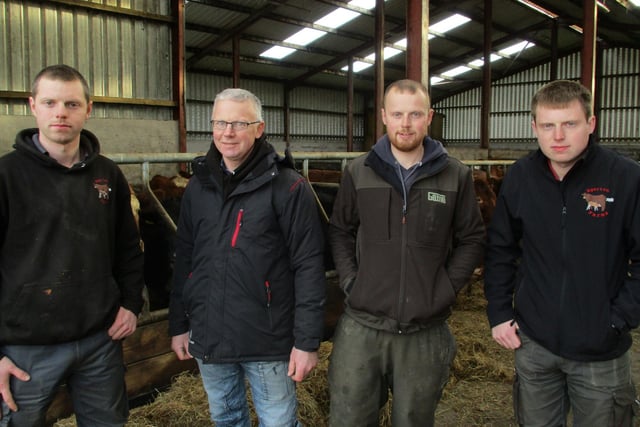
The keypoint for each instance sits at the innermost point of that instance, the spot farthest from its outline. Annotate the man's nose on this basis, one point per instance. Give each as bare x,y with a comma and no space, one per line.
228,129
61,110
558,132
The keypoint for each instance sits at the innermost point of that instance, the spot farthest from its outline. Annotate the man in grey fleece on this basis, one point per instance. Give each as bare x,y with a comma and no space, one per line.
406,234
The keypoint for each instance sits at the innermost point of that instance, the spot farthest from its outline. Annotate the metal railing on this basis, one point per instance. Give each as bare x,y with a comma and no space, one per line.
302,157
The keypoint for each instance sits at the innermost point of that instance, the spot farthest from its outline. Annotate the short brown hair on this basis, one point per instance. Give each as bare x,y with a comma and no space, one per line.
407,85
560,93
60,72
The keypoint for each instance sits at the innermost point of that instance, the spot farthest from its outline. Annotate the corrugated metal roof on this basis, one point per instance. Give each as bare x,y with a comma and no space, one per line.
211,26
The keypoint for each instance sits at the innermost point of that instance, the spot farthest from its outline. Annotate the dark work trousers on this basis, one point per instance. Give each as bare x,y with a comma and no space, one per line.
93,369
547,387
366,363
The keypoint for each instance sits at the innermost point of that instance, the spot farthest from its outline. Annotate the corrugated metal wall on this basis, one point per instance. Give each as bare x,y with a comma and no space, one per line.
619,116
619,101
121,55
318,117
127,58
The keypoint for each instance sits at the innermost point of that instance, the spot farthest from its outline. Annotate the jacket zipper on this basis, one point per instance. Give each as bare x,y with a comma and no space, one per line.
267,287
403,259
234,239
563,228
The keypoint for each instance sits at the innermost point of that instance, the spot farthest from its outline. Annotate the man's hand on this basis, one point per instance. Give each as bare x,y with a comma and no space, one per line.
124,325
7,369
301,363
506,335
180,346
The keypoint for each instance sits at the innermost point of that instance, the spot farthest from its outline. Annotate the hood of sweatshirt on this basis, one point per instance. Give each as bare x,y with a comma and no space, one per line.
89,149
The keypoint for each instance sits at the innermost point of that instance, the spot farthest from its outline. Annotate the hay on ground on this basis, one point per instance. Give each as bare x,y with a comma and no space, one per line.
478,393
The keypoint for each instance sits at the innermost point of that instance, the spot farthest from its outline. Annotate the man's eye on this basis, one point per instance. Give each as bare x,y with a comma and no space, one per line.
396,115
417,114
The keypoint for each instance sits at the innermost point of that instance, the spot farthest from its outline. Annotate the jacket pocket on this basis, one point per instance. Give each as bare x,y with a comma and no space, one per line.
375,227
516,398
55,312
267,290
625,407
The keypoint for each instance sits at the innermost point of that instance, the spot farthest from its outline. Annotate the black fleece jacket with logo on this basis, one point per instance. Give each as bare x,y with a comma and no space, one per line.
563,257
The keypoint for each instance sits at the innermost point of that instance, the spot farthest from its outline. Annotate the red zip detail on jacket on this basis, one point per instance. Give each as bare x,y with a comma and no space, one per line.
234,239
267,286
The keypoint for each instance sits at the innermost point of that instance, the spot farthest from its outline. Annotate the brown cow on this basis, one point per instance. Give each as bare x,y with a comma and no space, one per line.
485,195
595,202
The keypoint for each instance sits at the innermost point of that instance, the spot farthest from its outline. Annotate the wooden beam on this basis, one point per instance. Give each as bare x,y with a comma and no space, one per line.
177,68
417,57
485,108
588,56
379,67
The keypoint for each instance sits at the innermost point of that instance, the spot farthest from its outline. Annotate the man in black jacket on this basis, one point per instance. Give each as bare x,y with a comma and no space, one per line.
71,272
562,269
249,288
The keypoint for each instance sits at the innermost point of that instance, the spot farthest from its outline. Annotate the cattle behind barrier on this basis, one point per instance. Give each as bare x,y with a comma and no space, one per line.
159,238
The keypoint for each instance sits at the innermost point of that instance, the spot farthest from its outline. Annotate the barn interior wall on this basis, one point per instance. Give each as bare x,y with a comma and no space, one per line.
510,130
318,117
127,58
124,57
115,136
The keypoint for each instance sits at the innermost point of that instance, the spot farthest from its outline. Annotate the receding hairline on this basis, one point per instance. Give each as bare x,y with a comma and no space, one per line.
407,85
240,95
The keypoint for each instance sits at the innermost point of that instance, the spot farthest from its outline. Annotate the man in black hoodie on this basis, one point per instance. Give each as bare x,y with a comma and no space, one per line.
249,286
71,268
562,269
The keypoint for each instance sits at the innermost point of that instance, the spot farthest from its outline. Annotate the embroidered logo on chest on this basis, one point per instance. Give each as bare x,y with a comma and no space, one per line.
597,199
436,197
101,185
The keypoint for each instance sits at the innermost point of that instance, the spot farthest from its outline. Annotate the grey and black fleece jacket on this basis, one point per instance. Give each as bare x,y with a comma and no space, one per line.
405,243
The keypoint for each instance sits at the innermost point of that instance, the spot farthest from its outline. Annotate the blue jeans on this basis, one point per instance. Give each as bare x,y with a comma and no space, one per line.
547,387
93,370
273,392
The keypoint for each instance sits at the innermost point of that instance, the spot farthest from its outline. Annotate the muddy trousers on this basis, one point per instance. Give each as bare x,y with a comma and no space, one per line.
547,387
366,364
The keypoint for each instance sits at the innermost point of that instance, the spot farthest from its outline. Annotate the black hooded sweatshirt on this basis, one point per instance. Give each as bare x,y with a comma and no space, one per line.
69,246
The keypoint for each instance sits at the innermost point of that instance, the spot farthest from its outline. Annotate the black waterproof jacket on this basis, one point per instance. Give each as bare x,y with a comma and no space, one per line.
249,278
570,253
70,252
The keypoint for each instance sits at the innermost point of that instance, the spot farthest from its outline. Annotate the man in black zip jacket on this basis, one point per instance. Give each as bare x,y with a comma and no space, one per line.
562,268
71,268
249,288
